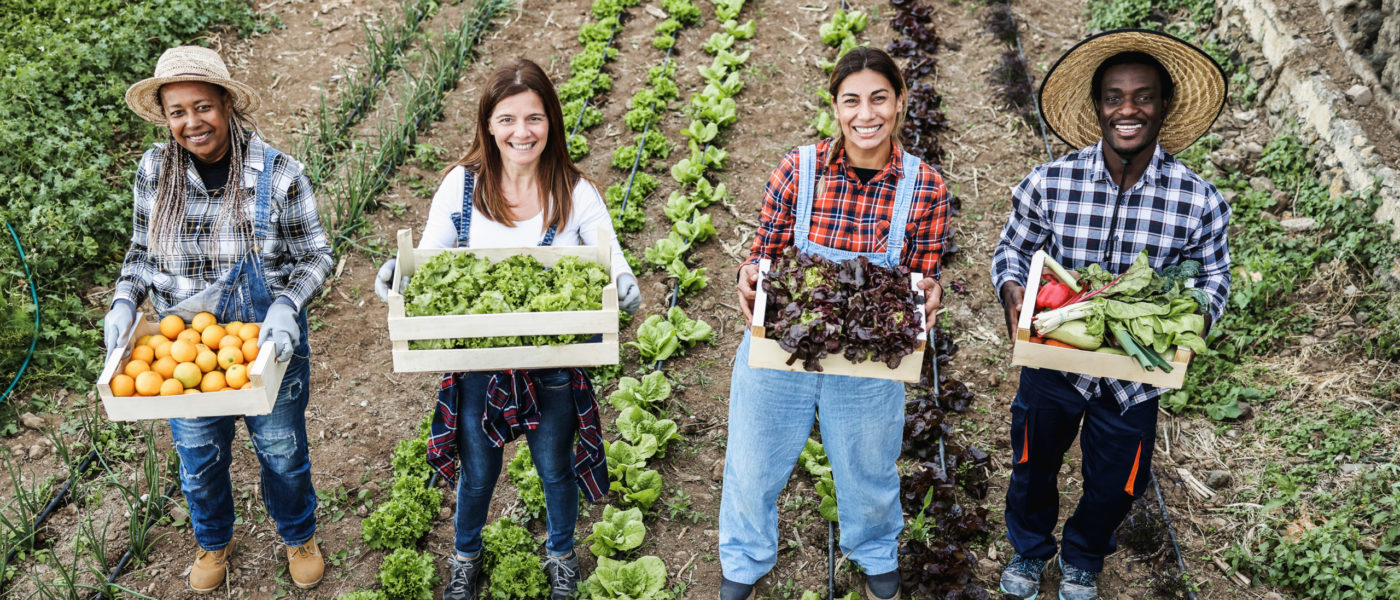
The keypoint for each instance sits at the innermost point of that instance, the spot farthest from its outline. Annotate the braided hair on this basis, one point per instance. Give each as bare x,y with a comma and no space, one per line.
168,218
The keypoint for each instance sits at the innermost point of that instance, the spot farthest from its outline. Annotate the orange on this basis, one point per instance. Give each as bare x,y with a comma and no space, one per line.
207,360
143,353
213,381
211,336
165,366
171,326
183,351
200,347
236,376
192,391
154,341
171,387
233,327
201,321
250,348
188,374
230,356
247,386
143,340
123,385
249,331
163,348
148,383
135,367
230,341
191,336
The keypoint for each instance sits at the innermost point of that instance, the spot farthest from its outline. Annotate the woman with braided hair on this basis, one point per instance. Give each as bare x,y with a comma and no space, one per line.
226,224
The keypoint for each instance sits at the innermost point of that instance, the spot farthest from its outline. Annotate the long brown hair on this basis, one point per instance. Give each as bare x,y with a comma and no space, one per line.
167,218
556,172
859,59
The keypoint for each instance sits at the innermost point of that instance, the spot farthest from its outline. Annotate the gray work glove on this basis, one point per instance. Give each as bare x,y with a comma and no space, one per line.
629,296
281,327
116,326
385,279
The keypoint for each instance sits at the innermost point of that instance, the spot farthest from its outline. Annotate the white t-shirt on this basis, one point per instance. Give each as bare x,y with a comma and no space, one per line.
589,212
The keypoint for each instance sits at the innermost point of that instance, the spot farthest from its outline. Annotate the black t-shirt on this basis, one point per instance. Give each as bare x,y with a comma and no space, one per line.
215,174
865,175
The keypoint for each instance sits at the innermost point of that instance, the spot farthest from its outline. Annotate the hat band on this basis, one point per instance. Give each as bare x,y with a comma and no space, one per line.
192,75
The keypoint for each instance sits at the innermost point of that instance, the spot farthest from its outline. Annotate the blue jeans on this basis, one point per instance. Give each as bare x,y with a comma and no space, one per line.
770,419
551,446
279,439
1116,467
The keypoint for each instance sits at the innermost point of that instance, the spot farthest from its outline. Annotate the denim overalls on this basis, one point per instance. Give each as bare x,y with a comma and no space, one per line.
279,438
551,443
770,419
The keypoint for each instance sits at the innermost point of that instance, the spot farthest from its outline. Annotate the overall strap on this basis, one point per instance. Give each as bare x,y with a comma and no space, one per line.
463,220
262,228
903,202
548,237
806,179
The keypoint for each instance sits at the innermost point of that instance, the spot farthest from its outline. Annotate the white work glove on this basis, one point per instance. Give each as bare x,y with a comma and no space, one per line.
117,324
385,279
281,327
629,296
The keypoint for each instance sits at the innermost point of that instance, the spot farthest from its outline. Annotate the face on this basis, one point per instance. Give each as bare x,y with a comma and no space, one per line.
1131,108
199,114
866,109
520,127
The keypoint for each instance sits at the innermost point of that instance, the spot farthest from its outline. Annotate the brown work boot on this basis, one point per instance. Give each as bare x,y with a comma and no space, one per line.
305,564
210,567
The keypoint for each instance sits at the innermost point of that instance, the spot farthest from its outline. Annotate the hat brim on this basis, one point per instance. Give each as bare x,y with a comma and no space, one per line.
1201,87
143,97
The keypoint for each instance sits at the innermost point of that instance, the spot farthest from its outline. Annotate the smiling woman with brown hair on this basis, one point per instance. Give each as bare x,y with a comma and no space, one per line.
223,223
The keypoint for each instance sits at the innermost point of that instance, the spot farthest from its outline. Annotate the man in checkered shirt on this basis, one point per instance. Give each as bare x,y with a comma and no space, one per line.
1130,100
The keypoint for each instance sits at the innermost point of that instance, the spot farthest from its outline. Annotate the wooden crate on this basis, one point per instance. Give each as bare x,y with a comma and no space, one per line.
765,353
265,373
1086,362
403,329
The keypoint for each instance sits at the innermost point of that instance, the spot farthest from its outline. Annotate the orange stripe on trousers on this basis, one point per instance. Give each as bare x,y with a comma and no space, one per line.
1132,476
1026,445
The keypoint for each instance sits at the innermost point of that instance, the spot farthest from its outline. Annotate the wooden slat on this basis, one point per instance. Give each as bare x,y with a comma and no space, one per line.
495,359
502,324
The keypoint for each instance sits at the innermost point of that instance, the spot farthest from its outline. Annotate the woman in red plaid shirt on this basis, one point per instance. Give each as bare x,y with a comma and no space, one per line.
855,194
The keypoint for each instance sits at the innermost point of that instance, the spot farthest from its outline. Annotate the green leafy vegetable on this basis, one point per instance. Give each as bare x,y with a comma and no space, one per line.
617,531
637,425
407,574
638,487
642,579
521,469
646,393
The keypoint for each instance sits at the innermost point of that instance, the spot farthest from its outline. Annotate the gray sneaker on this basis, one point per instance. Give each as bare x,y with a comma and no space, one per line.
1021,577
461,578
1076,583
563,576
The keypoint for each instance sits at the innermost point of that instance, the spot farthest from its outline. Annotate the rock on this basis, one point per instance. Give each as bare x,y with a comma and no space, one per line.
1260,182
178,512
362,511
444,513
1246,116
1228,195
1338,187
1246,411
952,45
1281,198
717,470
1360,95
33,421
1252,149
1351,468
707,305
1218,480
38,451
988,566
1273,596
1298,224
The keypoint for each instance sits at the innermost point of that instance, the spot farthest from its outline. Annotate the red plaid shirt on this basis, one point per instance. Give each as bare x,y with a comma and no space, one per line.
854,216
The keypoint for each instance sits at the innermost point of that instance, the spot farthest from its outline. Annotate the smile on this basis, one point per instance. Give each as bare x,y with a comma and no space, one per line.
522,147
196,139
1127,130
866,130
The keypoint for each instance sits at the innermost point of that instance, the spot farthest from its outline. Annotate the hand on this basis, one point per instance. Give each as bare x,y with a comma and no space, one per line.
629,296
1012,294
933,297
281,327
117,325
385,279
748,280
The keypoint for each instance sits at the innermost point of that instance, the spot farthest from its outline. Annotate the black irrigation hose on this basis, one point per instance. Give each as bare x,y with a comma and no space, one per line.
54,502
1190,589
130,551
364,100
641,142
1039,116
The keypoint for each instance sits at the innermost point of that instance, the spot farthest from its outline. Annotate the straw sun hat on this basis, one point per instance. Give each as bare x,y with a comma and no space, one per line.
1200,87
186,63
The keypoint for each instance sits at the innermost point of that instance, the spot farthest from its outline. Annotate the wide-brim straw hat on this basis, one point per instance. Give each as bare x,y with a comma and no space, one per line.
187,63
1200,87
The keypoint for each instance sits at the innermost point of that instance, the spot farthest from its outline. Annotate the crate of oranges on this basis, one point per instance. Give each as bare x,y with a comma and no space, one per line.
166,362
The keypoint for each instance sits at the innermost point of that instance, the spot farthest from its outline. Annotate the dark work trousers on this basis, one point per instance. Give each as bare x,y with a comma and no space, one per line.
1117,454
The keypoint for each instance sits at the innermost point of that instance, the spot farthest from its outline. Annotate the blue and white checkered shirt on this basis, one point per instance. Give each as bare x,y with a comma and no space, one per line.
1065,206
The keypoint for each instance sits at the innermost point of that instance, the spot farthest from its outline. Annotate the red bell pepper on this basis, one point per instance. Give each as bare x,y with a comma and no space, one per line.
1053,295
